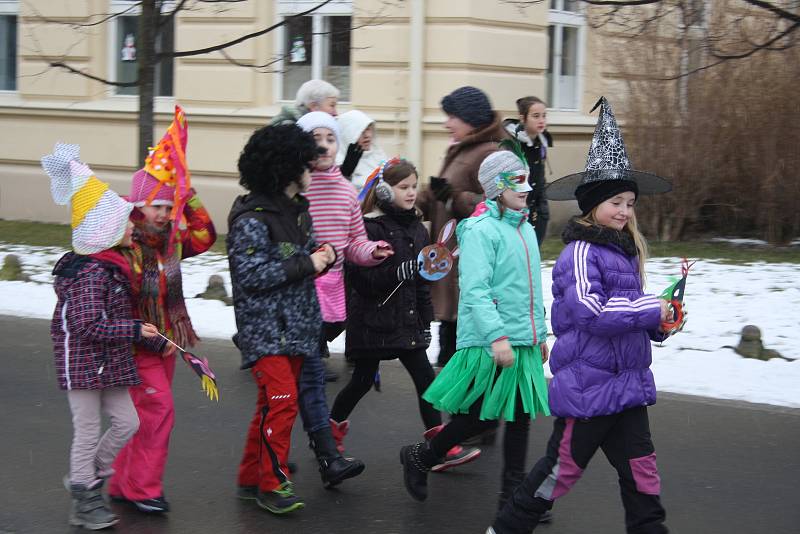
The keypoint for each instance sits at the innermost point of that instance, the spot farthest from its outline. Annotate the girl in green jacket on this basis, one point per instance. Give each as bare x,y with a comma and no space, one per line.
501,339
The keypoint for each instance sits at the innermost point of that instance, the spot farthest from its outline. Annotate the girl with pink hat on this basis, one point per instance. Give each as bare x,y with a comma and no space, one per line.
162,195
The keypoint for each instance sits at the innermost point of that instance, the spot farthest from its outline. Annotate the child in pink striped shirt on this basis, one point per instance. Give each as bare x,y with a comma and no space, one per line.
337,219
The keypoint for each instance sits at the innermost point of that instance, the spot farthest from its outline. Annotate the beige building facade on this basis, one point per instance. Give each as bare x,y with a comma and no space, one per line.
394,60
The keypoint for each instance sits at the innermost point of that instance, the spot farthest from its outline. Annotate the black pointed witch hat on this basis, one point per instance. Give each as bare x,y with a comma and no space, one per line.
607,161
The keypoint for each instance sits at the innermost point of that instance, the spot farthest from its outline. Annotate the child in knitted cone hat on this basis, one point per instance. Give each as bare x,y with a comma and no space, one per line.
496,370
94,330
163,198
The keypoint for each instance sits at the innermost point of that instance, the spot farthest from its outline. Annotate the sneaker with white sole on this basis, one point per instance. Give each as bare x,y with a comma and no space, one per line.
456,456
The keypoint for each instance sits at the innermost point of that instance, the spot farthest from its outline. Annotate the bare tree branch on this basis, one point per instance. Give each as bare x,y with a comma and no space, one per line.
73,70
782,13
105,17
214,48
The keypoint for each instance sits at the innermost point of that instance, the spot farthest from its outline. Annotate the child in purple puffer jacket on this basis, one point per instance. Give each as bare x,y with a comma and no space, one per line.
604,323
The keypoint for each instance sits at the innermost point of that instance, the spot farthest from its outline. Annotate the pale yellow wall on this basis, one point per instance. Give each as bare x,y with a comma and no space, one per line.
491,44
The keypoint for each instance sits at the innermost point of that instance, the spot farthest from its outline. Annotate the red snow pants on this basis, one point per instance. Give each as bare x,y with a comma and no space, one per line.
266,450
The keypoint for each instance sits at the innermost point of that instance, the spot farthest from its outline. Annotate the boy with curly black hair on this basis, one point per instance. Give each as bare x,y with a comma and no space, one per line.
274,259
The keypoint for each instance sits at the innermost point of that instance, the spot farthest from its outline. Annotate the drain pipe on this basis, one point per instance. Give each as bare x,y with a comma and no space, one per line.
416,67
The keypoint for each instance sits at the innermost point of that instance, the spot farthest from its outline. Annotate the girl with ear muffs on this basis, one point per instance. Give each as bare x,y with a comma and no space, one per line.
389,306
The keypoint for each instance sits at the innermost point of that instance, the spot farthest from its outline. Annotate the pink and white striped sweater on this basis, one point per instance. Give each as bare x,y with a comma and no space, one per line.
336,216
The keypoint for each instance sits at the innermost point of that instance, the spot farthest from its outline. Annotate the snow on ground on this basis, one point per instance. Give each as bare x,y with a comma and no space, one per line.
720,300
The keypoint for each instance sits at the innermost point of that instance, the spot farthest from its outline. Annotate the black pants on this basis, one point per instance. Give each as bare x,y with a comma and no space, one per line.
416,363
624,439
447,342
463,426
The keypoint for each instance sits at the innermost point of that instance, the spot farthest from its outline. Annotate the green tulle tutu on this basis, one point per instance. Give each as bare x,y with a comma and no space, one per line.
471,374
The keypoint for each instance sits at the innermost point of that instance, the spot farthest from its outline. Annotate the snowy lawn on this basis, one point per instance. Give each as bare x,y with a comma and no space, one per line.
720,299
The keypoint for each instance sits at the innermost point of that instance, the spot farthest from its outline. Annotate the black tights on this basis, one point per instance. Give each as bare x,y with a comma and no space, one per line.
463,426
366,365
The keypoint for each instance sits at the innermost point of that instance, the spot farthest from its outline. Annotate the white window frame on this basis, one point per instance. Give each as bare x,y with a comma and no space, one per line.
119,6
284,8
11,7
573,19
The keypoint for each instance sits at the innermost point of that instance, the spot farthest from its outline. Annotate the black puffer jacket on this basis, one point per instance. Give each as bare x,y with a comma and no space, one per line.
269,246
400,323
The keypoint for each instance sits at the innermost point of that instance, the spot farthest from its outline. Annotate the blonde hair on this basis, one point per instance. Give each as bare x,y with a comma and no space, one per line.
632,229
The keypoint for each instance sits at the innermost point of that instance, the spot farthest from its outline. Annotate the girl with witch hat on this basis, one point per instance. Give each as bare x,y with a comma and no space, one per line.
604,323
162,197
497,368
389,306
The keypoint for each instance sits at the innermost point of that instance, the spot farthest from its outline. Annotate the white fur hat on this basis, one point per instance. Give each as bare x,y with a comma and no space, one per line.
319,119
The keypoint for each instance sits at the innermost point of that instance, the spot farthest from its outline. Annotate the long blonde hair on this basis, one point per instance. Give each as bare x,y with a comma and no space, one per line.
632,229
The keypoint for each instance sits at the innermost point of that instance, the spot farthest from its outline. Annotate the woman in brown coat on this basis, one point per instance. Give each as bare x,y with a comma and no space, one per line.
475,131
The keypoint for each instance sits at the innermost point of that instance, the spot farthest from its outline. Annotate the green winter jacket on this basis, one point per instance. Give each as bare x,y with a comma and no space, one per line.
500,279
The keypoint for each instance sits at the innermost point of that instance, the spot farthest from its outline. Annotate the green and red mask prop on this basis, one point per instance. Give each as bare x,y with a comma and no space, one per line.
673,294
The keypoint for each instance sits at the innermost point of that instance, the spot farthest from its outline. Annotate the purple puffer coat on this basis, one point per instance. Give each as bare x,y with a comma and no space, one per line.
603,323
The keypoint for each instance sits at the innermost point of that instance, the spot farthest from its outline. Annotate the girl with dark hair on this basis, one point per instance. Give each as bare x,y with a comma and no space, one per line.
531,131
389,306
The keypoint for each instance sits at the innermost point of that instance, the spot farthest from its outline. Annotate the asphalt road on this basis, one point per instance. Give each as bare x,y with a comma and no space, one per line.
726,467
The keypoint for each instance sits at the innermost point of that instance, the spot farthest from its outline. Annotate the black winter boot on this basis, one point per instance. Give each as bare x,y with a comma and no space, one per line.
89,510
511,479
417,460
333,467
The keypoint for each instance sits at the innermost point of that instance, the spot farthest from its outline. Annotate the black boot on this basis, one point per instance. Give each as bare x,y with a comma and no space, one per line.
511,479
417,460
333,467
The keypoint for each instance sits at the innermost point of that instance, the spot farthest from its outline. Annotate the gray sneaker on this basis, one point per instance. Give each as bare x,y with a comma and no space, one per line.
89,510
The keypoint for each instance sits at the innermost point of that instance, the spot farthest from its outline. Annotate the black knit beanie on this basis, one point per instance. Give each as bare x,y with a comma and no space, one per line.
593,193
469,104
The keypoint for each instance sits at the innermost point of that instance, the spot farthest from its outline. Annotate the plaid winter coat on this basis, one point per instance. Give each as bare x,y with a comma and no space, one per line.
93,327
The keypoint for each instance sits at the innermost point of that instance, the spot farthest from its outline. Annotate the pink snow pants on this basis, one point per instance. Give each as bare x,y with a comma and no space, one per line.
139,468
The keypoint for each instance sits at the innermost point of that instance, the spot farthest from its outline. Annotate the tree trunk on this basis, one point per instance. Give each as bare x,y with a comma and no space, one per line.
146,55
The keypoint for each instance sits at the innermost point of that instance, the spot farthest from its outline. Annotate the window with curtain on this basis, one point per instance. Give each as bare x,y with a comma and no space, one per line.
565,55
316,46
126,57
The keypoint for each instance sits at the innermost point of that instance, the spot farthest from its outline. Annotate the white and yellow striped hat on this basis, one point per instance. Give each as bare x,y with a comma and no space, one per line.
99,215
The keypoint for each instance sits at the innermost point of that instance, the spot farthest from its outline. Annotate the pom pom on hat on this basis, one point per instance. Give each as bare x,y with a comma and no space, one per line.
319,119
99,215
469,104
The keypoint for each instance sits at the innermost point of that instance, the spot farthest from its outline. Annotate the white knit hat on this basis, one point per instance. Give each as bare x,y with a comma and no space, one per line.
498,172
99,215
319,119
